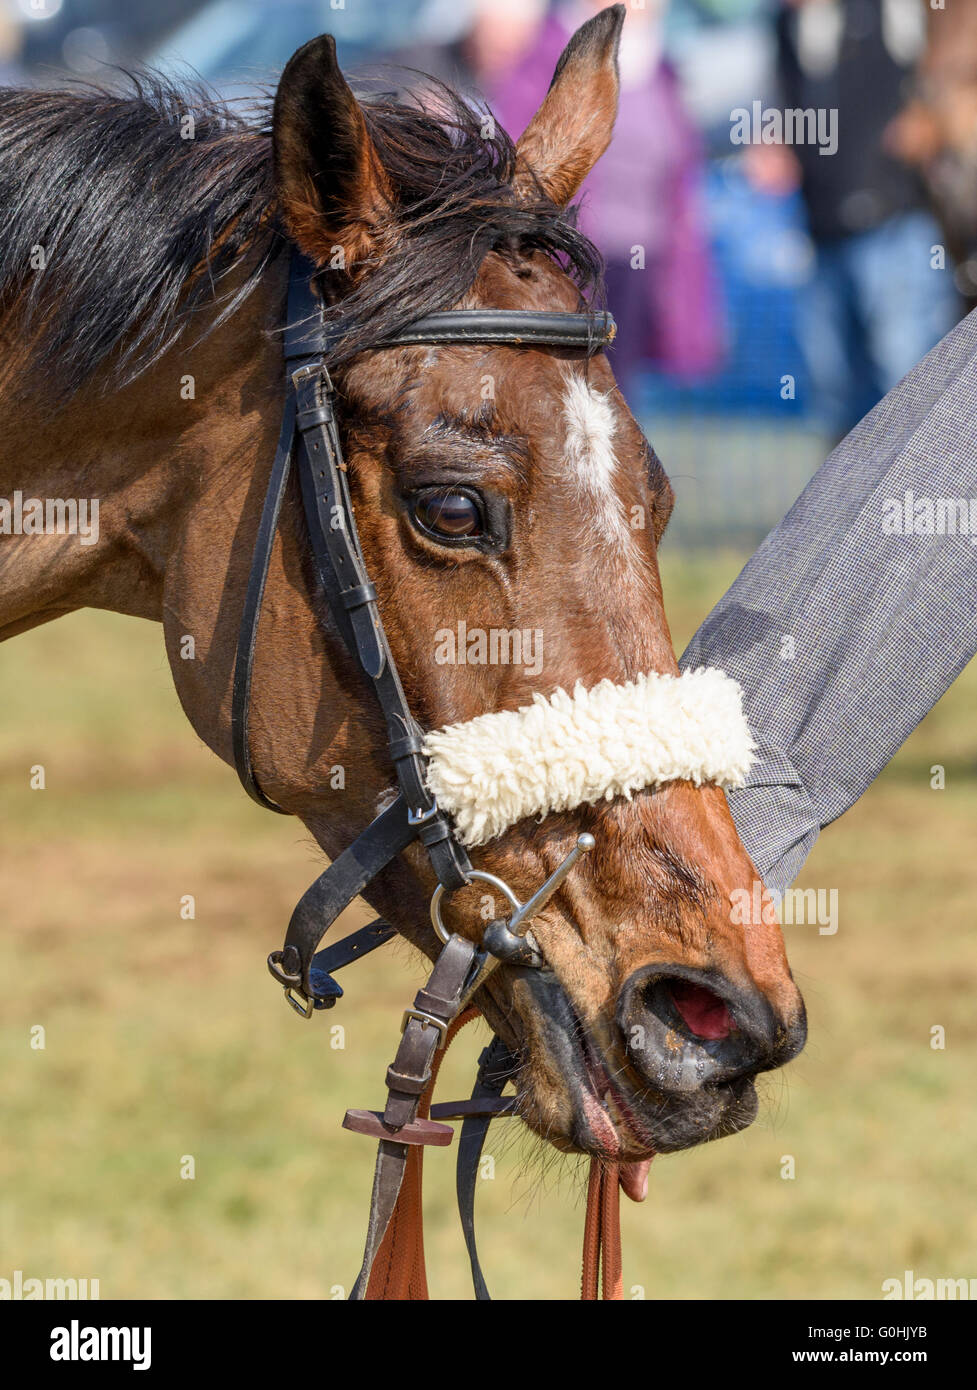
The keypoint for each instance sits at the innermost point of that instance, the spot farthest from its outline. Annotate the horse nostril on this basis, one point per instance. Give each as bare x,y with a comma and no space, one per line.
706,1015
685,1029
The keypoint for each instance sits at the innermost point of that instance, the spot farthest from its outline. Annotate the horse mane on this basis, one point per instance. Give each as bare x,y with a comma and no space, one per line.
141,228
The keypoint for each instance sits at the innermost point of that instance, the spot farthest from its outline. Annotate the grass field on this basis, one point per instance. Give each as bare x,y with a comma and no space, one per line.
166,1038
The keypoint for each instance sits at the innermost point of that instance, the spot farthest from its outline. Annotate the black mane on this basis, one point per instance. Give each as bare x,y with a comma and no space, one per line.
139,227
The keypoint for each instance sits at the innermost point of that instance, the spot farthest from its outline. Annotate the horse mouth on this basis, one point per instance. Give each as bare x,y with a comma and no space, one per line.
633,1125
611,1117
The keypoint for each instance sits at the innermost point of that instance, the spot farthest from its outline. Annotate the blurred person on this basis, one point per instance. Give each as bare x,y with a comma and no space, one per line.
937,133
489,38
879,298
641,204
11,47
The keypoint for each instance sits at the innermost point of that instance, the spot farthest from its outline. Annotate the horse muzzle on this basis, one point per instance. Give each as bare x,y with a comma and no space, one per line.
674,1070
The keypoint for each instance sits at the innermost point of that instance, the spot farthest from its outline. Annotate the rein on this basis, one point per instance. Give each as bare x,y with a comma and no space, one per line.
399,1271
309,437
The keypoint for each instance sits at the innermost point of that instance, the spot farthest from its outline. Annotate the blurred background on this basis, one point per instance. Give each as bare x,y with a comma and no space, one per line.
767,295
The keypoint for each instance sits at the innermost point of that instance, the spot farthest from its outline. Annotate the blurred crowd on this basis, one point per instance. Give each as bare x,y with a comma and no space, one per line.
753,263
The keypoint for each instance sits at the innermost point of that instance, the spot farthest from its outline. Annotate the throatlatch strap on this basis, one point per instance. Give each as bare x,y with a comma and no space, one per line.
298,351
309,418
251,613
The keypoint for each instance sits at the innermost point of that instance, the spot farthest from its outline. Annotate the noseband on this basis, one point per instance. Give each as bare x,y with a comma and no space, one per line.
310,437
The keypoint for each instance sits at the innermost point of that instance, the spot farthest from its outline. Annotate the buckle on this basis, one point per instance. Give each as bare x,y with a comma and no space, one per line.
291,984
425,1020
293,996
277,973
421,817
302,375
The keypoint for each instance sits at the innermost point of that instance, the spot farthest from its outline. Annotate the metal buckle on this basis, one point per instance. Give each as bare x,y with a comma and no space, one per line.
312,369
425,1020
292,994
281,976
421,817
291,984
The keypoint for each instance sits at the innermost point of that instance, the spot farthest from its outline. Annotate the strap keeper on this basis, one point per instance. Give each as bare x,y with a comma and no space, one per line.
409,1085
435,831
433,1005
315,415
411,745
359,596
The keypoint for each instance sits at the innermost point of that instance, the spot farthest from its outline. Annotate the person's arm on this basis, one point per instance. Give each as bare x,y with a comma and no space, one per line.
844,632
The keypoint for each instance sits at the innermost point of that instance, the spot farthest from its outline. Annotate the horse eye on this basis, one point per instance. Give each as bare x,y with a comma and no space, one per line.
453,515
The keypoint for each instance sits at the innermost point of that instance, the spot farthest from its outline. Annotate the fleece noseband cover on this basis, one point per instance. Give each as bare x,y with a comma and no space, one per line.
564,751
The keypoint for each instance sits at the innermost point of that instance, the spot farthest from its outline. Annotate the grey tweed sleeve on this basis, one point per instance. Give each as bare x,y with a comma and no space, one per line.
858,610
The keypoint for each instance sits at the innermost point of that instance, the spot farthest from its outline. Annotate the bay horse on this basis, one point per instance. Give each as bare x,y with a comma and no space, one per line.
497,488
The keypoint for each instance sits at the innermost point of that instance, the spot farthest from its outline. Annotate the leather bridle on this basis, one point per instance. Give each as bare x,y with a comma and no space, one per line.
310,438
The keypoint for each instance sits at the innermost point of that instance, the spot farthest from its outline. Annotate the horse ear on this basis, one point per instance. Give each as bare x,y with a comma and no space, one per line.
573,127
329,180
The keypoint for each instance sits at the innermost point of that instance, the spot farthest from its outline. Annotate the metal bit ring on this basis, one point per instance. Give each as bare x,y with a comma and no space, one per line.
439,892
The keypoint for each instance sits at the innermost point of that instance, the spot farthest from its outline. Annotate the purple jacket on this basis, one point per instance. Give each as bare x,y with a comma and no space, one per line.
644,191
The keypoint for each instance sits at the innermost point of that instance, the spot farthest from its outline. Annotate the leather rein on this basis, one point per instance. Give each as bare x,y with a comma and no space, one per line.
309,439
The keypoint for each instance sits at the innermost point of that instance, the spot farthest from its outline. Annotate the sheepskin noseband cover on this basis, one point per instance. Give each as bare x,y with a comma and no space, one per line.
566,750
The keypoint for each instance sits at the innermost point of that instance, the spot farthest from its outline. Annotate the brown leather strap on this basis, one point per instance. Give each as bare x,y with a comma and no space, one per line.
437,1003
398,1270
435,1009
602,1234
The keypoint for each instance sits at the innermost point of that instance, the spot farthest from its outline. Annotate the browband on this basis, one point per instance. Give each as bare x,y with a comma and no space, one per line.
514,327
584,332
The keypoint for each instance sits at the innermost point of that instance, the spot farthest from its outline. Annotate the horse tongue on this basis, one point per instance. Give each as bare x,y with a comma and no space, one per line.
634,1179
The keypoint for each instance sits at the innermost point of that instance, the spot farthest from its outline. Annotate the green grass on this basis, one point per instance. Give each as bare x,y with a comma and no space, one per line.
165,1037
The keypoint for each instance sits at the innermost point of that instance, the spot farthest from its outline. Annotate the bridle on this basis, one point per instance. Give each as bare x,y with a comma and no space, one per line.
310,438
